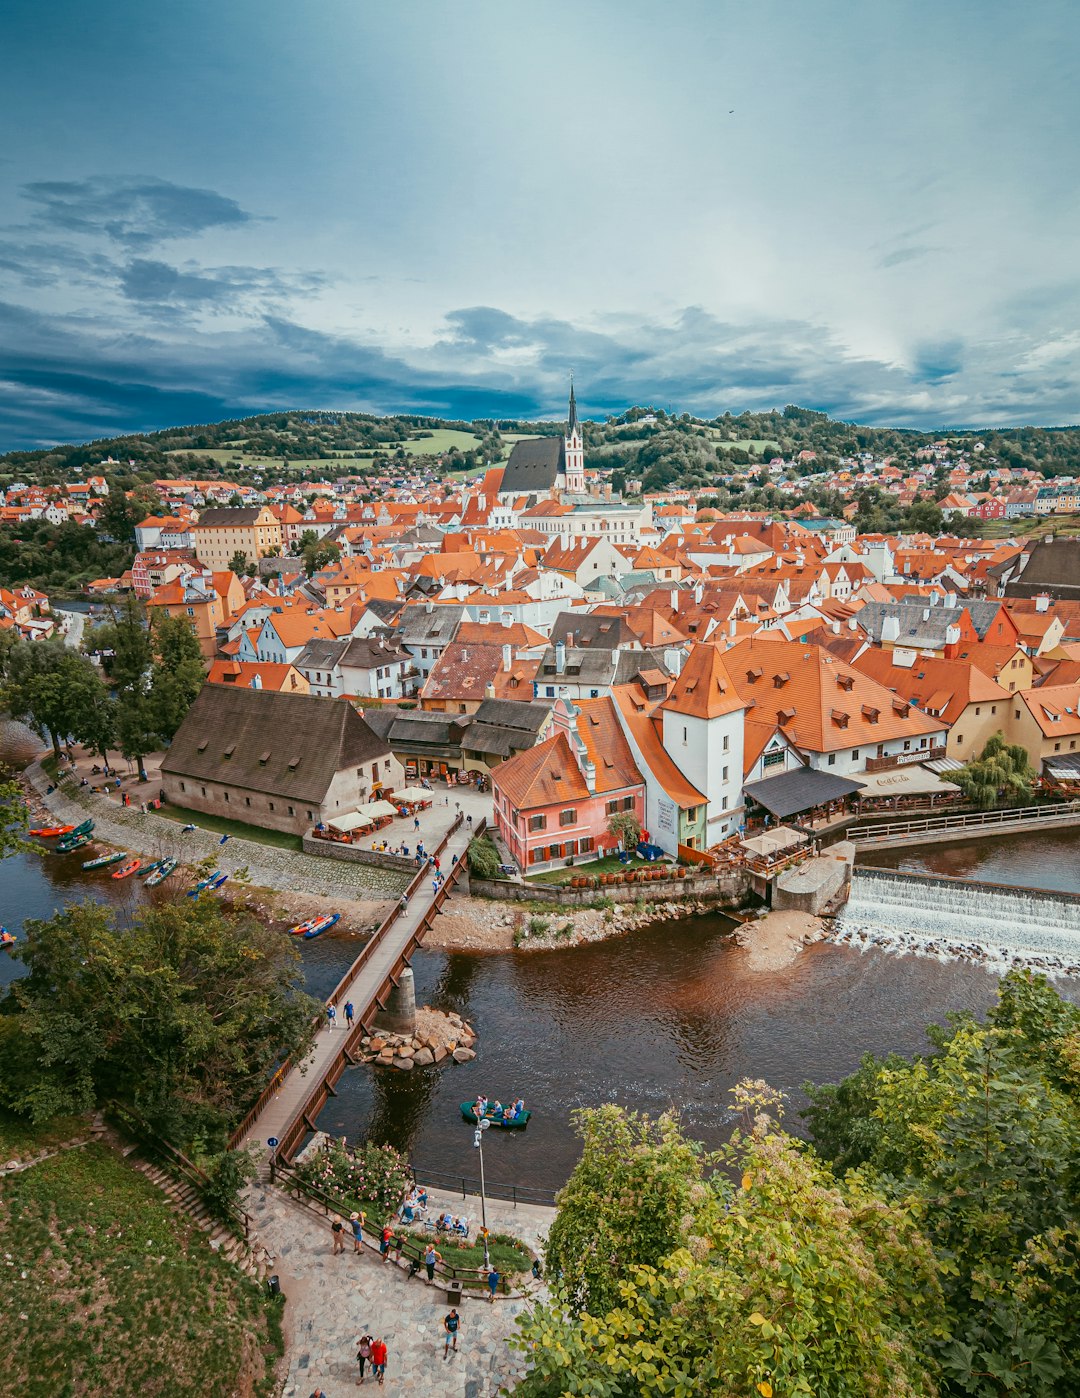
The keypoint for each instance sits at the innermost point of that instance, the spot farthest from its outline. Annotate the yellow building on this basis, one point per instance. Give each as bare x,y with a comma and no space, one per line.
219,535
1046,722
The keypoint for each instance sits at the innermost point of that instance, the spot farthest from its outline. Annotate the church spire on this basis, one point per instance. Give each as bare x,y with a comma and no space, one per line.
572,420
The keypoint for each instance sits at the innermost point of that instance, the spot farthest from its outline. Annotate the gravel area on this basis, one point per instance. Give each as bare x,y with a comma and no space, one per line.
154,836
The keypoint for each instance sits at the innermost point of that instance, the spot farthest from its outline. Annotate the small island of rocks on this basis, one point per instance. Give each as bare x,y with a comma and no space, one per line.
439,1035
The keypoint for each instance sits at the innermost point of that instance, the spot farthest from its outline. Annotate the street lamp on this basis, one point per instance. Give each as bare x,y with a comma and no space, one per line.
478,1141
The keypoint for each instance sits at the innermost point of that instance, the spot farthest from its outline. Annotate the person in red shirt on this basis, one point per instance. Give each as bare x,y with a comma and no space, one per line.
378,1359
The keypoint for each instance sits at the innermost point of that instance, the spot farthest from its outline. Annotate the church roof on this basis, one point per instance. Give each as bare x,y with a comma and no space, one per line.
534,465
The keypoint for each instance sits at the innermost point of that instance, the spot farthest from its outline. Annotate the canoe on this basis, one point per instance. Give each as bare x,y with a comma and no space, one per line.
320,924
161,873
50,832
84,829
103,859
303,928
216,882
126,869
149,868
517,1124
203,884
70,843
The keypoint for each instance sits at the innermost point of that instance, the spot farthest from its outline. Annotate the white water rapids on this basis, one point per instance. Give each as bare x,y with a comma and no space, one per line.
1001,927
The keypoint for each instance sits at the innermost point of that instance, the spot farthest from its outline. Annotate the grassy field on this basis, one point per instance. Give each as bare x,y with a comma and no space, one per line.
594,866
754,445
441,439
1029,528
338,466
508,1255
220,826
113,1294
19,1140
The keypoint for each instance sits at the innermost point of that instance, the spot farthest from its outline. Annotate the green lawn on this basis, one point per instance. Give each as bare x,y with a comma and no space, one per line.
112,1293
19,1140
754,445
595,866
220,826
1029,528
441,439
508,1255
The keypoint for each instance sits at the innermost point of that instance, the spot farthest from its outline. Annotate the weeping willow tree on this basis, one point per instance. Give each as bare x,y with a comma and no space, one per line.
1000,774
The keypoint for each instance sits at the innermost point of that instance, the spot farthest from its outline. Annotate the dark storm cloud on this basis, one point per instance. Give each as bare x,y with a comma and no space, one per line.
134,213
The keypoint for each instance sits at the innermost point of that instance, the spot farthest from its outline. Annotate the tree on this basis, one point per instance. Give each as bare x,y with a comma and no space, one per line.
58,693
177,674
983,1136
131,673
238,563
1001,772
180,1016
792,1283
625,827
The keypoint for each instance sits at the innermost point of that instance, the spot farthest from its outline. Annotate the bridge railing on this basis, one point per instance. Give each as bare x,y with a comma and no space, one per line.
974,820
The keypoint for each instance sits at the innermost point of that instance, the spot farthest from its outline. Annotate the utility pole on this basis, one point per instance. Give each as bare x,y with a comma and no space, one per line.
478,1141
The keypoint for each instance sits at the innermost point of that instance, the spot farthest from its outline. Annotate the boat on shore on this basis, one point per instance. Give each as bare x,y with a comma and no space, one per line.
204,884
50,832
303,928
149,868
516,1123
103,860
70,843
216,882
126,869
320,924
162,872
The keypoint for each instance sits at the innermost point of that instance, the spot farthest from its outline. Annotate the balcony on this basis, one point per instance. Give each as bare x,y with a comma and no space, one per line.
903,759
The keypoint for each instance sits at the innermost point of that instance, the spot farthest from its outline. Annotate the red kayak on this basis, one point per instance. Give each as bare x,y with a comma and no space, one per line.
128,868
49,832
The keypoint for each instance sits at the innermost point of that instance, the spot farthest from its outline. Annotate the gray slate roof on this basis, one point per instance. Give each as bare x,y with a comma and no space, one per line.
801,790
1053,567
923,624
279,744
534,465
417,625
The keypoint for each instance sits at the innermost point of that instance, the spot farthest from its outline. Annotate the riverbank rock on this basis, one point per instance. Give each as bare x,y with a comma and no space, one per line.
463,1055
439,1035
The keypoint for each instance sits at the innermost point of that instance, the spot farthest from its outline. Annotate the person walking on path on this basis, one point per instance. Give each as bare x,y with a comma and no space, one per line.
349,1013
451,1324
416,823
338,1230
357,1223
331,1017
363,1353
431,1256
378,1359
493,1280
385,1241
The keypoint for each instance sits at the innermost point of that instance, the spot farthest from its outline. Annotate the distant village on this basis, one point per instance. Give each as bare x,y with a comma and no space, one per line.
582,652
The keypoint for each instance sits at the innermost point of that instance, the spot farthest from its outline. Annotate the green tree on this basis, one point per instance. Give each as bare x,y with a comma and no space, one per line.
177,674
180,1016
625,827
1000,773
238,563
792,1283
58,693
133,657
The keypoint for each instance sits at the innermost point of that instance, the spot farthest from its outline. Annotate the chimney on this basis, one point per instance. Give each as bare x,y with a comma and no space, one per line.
588,771
1042,602
607,496
834,627
256,681
952,642
699,593
507,620
489,690
890,629
508,657
674,599
429,607
950,599
926,614
560,658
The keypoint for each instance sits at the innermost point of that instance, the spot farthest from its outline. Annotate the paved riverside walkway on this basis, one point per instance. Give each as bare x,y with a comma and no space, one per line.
332,1301
301,1079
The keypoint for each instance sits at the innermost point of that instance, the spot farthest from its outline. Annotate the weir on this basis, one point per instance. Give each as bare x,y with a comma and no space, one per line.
996,923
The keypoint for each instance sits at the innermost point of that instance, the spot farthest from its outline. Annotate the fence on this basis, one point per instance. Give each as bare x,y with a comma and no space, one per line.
1059,812
728,886
465,1185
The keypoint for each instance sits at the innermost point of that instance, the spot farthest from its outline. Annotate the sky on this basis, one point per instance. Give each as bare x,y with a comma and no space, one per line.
213,209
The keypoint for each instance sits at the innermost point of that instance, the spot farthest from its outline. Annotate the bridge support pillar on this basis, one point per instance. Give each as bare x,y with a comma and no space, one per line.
399,1016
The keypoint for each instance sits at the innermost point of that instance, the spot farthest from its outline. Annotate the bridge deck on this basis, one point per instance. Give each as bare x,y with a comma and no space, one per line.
297,1085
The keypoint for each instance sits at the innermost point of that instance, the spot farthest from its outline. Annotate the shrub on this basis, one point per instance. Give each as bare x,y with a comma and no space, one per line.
539,926
483,857
372,1178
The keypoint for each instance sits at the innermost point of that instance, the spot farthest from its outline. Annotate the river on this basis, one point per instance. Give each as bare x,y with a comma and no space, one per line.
668,1015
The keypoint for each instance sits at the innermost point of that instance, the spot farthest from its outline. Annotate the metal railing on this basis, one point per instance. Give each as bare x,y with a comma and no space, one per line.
464,1185
975,820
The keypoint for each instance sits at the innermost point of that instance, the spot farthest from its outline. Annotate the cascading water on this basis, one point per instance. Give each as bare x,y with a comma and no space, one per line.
949,918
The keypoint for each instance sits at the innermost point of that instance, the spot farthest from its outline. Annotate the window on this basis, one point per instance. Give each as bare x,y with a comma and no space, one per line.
203,790
247,800
726,743
568,817
959,740
978,709
1016,714
291,811
724,775
723,803
270,804
907,744
183,786
854,754
191,611
585,844
832,759
224,795
993,709
538,822
773,759
374,771
684,734
1057,747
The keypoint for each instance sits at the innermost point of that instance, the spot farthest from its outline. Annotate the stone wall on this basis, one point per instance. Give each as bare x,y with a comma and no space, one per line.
354,854
729,888
817,884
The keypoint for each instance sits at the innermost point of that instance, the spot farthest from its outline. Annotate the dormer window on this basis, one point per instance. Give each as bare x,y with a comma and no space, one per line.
840,718
785,715
845,682
870,713
781,679
203,745
752,676
264,758
900,707
229,751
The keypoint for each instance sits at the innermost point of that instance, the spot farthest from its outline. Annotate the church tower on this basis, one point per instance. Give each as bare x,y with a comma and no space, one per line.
574,450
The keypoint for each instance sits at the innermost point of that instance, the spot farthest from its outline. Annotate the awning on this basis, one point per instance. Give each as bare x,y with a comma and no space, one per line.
773,841
789,793
906,781
363,815
1062,769
413,793
943,764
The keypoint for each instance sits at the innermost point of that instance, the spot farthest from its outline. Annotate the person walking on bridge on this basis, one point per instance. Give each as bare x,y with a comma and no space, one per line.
349,1013
331,1017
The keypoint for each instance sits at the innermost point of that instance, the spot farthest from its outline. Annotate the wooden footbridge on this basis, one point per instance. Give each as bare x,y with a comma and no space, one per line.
288,1106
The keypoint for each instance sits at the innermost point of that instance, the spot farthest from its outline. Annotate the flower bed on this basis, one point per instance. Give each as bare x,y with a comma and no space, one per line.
371,1179
508,1254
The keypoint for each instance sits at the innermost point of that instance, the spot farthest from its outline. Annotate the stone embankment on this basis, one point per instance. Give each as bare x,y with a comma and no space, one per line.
267,866
437,1037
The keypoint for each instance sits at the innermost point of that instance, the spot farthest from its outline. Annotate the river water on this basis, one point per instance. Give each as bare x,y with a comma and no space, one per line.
668,1015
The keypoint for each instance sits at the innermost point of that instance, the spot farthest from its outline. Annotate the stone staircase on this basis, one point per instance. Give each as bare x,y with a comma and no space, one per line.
248,1254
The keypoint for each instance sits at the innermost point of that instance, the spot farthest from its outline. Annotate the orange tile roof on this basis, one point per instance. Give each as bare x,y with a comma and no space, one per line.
944,687
642,728
703,688
541,776
1055,708
605,742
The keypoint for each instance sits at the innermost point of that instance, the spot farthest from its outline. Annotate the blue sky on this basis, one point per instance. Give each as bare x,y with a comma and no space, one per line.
210,209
